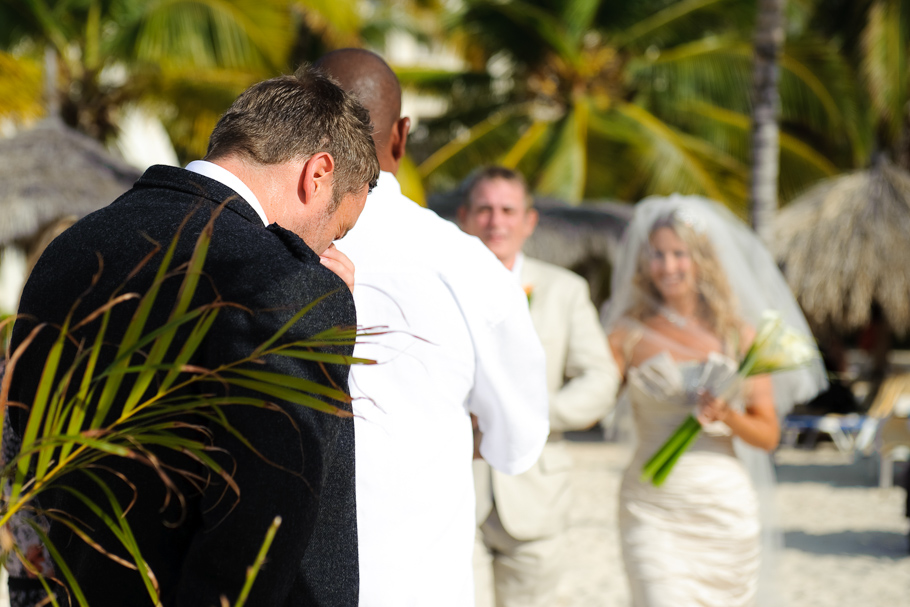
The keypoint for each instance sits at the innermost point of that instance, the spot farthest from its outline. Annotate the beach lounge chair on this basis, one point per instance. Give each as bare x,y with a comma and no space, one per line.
885,428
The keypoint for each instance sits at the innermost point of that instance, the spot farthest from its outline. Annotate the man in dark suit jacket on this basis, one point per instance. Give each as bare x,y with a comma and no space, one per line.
297,156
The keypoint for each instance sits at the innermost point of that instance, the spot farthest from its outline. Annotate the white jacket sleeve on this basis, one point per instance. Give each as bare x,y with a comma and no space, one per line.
510,387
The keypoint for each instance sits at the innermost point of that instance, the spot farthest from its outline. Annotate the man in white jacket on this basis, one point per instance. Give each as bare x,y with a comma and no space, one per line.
456,338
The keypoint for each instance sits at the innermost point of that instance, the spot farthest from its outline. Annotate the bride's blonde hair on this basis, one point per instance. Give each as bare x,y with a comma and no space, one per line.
717,305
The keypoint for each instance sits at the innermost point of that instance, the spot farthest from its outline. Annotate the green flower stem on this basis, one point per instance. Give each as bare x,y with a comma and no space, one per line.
679,437
661,475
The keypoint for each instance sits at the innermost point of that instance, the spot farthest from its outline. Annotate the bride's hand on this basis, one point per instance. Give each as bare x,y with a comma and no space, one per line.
711,409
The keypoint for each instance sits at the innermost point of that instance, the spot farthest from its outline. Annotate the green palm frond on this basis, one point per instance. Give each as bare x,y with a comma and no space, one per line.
562,169
37,21
681,20
70,427
114,519
253,570
15,24
804,74
467,139
673,164
798,149
67,572
818,91
884,64
801,165
189,100
118,53
725,45
788,142
528,140
525,29
710,82
554,33
438,80
578,15
614,94
715,70
205,33
339,23
426,21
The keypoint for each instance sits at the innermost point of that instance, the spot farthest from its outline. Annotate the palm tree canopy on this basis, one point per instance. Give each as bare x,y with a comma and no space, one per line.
874,38
843,247
594,99
183,59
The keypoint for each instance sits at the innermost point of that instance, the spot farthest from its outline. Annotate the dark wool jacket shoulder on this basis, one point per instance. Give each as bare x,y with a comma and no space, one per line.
304,471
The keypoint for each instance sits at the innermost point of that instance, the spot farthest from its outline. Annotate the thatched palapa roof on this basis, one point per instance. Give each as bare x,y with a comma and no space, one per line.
845,244
566,235
52,171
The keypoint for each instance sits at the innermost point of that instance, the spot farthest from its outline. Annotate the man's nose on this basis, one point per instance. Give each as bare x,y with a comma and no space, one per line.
496,217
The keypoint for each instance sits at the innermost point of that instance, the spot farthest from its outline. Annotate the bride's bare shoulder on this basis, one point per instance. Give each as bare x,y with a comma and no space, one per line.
624,337
628,330
746,337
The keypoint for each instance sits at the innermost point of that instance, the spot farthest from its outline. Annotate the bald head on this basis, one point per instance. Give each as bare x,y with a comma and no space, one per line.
367,76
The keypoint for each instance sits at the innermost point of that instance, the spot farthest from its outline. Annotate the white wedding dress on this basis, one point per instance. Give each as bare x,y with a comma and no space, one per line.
695,540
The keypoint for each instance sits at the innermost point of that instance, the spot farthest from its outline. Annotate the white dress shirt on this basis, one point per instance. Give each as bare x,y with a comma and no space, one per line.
456,338
224,176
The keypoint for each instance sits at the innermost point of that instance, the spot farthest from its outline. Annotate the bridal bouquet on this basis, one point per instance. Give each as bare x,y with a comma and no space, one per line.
776,348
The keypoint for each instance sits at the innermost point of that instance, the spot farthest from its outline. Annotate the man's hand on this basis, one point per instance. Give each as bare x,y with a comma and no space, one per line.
339,263
478,436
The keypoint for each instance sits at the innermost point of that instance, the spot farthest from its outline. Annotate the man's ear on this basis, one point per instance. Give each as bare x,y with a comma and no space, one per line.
460,214
316,178
398,138
532,218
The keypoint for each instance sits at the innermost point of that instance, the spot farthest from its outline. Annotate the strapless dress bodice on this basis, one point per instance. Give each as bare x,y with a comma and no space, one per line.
663,391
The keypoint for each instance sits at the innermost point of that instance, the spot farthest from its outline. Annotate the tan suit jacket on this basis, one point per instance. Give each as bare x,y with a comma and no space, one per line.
582,380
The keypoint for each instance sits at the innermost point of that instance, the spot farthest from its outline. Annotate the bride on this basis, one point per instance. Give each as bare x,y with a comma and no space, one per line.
689,287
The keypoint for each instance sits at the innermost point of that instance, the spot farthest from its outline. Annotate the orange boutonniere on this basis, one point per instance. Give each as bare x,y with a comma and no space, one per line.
529,291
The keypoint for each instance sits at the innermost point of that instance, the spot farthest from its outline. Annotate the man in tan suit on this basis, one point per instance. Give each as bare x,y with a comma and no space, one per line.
523,518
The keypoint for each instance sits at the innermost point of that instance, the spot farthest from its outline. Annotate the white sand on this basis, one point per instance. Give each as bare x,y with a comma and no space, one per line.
845,539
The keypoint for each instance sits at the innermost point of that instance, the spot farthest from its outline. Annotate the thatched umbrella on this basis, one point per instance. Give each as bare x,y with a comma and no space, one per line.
845,245
52,171
568,235
583,238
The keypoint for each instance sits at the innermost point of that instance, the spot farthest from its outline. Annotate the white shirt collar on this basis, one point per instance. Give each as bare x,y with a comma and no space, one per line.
516,267
224,176
388,181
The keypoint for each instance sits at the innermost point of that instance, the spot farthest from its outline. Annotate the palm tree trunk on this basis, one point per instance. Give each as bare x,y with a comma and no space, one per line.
769,38
51,93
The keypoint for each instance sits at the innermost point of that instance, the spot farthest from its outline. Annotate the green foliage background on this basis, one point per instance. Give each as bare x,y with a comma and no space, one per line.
590,99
